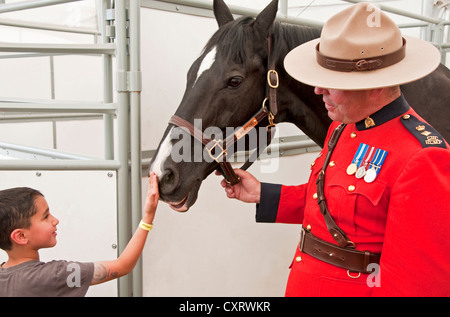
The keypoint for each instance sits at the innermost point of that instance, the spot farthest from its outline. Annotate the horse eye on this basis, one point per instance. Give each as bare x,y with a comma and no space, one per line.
234,82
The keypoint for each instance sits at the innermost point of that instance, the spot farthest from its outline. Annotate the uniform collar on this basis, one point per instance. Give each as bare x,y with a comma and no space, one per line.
395,109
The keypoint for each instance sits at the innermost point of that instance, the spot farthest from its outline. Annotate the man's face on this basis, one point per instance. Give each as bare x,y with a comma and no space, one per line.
346,106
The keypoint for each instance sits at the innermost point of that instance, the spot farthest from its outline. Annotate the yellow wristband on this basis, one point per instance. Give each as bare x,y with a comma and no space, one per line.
145,226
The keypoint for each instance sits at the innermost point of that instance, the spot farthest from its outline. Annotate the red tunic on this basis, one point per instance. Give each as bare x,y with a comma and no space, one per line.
404,214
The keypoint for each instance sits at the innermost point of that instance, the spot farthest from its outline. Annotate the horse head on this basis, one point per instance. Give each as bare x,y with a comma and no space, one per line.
224,85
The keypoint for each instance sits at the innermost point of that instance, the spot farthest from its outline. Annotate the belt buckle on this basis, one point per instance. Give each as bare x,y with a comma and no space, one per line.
302,239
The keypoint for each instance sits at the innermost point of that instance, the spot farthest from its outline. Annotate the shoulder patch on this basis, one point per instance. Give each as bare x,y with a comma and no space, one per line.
426,134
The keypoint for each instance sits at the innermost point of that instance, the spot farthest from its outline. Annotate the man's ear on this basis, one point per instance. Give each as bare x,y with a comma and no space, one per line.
19,237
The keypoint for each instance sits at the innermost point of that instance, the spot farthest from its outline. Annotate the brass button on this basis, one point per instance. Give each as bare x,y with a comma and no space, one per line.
351,188
315,196
308,227
313,163
332,163
353,135
406,116
298,259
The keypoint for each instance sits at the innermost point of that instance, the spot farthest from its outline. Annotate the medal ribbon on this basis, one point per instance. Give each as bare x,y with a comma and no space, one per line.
362,149
369,156
378,161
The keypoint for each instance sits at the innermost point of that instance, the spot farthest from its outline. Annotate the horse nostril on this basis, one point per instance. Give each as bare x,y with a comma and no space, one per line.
169,181
169,178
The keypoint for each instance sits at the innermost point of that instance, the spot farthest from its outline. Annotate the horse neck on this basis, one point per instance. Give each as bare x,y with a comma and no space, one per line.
297,102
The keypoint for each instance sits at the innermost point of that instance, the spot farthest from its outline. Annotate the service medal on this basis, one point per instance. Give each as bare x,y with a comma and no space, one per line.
361,171
357,159
351,169
375,166
370,176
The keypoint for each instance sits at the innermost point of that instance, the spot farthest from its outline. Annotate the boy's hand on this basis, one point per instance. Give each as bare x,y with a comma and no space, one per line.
151,201
107,270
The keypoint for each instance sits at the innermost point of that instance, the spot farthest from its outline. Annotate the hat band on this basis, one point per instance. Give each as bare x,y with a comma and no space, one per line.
372,63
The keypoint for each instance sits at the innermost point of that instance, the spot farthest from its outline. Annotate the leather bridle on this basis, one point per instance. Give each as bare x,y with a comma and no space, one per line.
217,149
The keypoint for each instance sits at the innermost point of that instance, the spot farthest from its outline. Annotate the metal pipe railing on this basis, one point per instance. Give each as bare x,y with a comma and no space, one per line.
47,27
406,13
123,123
202,4
60,165
135,87
58,48
107,62
51,154
31,4
62,108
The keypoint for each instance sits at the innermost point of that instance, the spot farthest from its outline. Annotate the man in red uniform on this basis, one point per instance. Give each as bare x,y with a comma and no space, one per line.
375,213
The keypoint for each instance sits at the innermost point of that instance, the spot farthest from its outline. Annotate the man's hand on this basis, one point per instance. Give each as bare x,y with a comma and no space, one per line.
247,190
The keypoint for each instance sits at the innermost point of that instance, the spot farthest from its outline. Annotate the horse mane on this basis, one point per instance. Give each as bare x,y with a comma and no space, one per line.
288,36
232,39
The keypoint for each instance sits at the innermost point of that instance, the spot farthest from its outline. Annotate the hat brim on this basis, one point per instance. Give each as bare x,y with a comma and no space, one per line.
420,60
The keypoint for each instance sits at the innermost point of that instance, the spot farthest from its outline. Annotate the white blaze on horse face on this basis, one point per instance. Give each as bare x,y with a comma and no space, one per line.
207,62
163,153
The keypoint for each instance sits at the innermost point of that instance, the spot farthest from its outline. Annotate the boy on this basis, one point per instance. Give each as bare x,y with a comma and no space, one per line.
26,225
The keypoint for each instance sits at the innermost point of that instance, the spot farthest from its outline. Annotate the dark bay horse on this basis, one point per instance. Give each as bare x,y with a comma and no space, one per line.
226,85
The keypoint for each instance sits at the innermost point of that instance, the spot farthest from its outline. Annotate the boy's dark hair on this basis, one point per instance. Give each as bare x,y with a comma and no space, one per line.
16,209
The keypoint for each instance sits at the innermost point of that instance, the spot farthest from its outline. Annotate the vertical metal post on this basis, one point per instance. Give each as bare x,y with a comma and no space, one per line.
135,88
123,137
284,7
52,96
434,33
108,119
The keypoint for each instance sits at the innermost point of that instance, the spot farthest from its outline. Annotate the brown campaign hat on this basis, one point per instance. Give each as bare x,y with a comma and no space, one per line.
361,48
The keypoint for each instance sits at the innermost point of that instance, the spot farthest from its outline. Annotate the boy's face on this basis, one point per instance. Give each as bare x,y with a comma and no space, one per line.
42,232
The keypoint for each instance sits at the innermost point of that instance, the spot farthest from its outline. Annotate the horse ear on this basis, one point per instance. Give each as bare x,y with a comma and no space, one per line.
265,19
222,12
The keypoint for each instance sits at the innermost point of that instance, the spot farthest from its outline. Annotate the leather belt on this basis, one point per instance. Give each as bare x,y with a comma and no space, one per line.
346,258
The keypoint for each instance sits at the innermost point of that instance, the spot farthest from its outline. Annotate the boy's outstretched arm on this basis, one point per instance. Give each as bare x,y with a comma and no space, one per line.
108,270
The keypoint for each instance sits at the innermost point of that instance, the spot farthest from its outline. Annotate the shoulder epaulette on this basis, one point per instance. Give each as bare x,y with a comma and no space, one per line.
426,134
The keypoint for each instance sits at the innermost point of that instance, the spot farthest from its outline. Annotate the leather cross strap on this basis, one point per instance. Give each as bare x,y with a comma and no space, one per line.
338,235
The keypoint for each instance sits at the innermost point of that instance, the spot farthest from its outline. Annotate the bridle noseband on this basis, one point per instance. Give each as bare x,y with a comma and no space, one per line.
217,149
